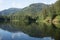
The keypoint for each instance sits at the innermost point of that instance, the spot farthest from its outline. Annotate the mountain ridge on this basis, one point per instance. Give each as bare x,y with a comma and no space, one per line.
9,11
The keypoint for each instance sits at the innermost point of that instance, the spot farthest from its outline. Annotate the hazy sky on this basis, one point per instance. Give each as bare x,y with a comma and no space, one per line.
5,4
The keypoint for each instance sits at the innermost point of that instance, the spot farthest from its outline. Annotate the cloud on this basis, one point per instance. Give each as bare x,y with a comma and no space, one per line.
5,4
16,35
45,1
1,1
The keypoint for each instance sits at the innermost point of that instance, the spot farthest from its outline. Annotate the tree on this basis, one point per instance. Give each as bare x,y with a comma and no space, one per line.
57,7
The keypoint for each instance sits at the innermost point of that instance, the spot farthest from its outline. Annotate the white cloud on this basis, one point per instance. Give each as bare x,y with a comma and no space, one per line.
45,1
17,5
16,34
1,1
5,4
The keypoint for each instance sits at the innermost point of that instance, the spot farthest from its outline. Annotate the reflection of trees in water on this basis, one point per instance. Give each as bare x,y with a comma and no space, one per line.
4,19
8,27
39,30
36,30
54,32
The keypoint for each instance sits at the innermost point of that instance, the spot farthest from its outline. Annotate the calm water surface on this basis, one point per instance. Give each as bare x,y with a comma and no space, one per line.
18,31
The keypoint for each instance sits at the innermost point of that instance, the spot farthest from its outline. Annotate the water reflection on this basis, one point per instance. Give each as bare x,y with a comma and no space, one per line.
18,31
5,35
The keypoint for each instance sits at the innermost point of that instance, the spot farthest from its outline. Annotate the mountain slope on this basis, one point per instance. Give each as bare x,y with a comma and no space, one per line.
9,11
34,8
29,11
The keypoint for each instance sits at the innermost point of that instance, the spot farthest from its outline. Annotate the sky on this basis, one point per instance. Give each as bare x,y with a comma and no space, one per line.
5,4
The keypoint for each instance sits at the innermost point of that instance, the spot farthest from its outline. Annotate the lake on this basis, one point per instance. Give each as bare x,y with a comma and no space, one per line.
33,31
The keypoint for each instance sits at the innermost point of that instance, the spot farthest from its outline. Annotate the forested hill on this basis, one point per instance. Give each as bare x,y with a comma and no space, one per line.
9,11
35,7
42,12
32,9
37,12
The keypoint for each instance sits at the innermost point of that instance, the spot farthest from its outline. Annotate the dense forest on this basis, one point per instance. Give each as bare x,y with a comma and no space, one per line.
37,12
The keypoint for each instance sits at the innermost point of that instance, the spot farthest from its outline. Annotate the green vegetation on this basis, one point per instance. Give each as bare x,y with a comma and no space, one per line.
45,13
37,20
37,12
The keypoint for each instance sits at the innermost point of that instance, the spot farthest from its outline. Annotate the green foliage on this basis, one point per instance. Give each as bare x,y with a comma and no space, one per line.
33,11
57,7
42,11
